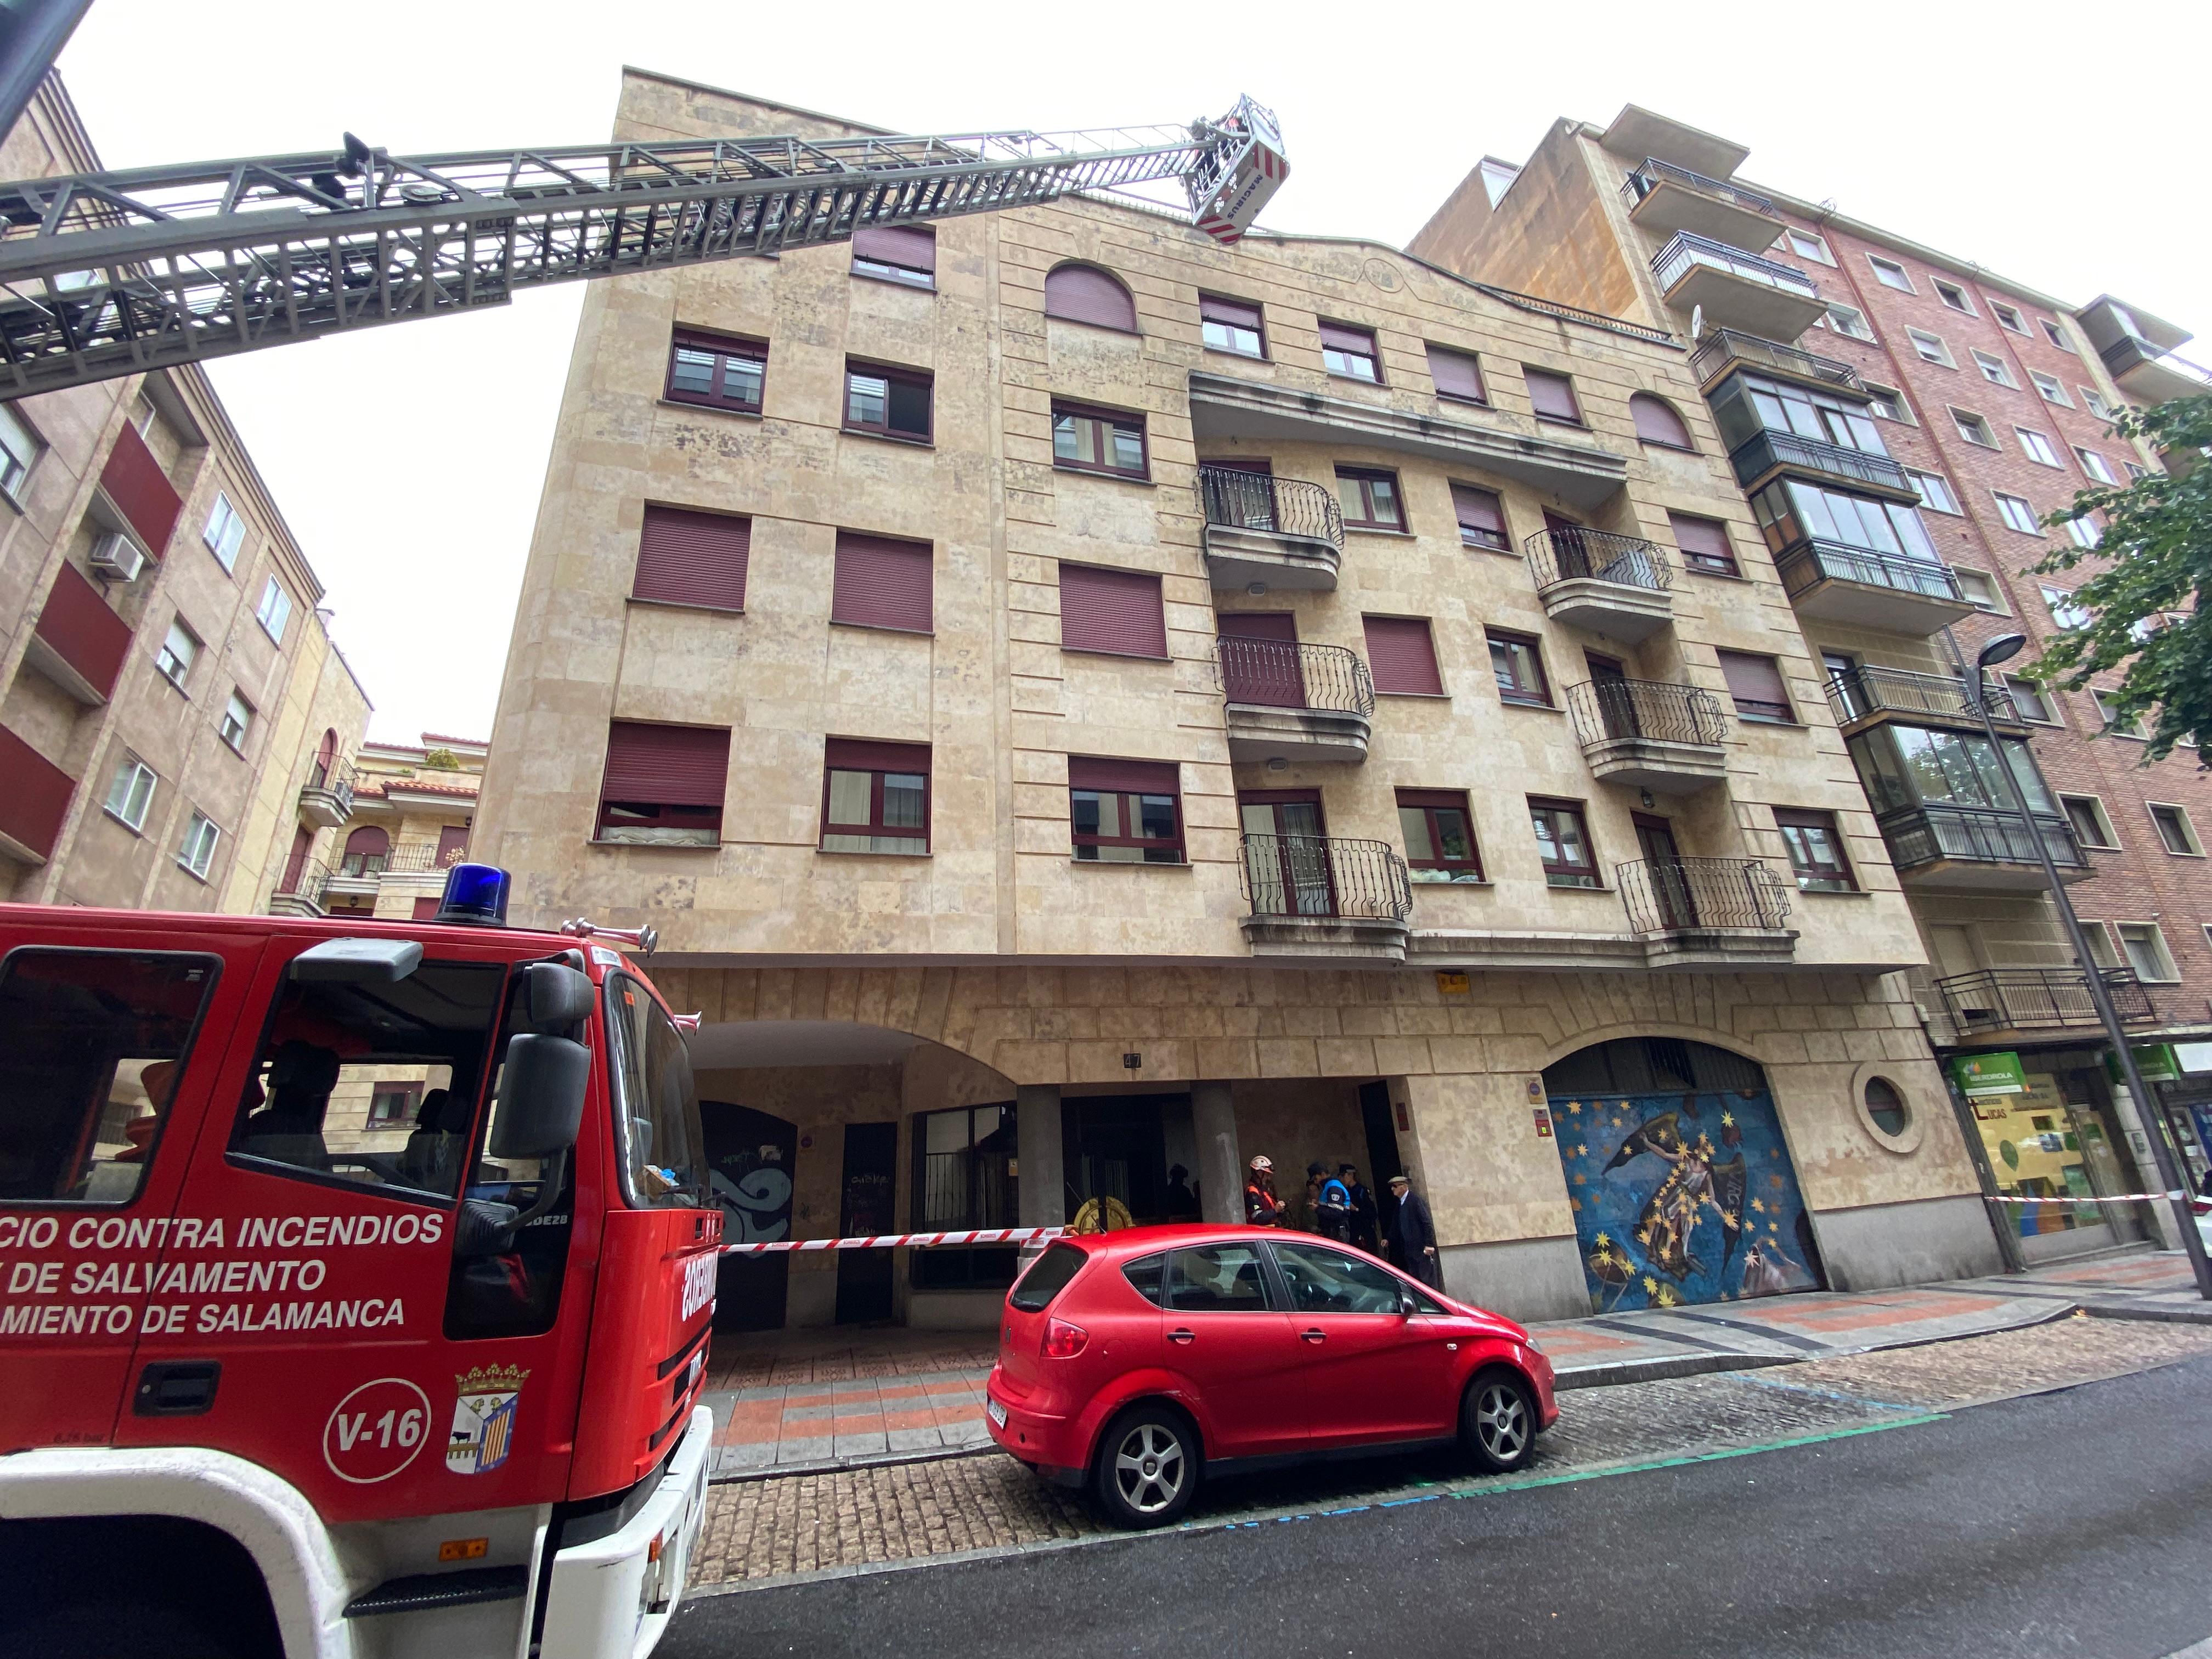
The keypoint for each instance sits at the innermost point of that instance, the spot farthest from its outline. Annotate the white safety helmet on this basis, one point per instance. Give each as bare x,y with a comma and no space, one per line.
1265,1163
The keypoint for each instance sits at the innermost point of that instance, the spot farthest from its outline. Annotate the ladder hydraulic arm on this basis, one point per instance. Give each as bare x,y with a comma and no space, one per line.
115,273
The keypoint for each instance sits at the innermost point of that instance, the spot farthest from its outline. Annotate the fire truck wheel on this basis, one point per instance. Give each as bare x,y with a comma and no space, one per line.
137,1584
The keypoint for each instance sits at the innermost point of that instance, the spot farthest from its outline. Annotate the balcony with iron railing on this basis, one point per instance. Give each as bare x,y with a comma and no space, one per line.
1736,289
1292,701
1766,453
1322,896
1722,350
326,798
408,858
1663,198
1999,1002
1612,584
1651,734
1865,695
1706,910
1833,582
301,887
1283,533
1940,848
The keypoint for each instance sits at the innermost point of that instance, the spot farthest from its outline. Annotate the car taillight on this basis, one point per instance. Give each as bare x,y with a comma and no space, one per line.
1063,1341
2202,1206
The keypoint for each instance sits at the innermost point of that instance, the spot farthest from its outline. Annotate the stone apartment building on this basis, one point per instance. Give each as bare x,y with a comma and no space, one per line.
172,703
1083,707
1857,375
407,811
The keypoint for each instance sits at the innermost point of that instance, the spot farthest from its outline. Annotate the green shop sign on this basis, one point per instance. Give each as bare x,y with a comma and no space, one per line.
2156,1061
1980,1076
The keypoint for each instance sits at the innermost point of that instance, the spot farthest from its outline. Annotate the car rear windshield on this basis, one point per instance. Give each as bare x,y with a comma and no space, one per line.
1047,1279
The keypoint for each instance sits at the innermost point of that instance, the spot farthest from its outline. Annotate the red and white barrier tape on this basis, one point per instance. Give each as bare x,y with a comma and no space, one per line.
909,1240
2089,1198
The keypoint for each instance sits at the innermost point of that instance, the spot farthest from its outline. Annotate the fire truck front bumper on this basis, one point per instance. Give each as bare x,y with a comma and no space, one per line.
611,1597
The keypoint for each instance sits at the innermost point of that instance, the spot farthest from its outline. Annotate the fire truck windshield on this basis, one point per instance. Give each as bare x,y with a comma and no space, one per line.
656,1112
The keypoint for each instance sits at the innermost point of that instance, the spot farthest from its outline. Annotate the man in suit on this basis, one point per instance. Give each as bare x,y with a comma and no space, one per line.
1414,1235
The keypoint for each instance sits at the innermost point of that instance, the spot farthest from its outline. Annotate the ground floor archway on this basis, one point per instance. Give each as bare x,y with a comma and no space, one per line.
1679,1178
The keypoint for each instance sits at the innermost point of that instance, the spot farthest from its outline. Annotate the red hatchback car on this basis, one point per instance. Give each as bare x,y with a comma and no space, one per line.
1130,1362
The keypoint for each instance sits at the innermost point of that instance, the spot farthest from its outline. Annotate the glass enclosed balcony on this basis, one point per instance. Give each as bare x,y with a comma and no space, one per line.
1940,801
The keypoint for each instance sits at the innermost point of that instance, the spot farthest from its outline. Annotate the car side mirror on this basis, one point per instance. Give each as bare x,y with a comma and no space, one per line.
1407,1306
541,1095
559,997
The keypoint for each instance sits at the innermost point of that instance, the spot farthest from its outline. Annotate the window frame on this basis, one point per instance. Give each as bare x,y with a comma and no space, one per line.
1258,329
16,469
1858,328
1704,563
1819,253
1468,533
723,347
1891,273
2038,698
2056,600
2108,721
2191,847
1365,477
1106,423
1456,872
876,828
1812,875
177,669
2160,953
1995,607
1968,422
1579,813
2009,318
2031,441
123,781
1921,338
891,270
693,817
2098,818
1530,372
197,865
1473,360
1532,648
2057,335
226,541
2007,501
1994,369
2094,464
1903,414
1915,474
976,1266
1688,445
1758,714
237,744
1373,355
1952,294
890,374
1176,840
275,603
2051,388
2093,401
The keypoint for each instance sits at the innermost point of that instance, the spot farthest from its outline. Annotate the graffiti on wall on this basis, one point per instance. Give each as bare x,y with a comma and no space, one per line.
1683,1198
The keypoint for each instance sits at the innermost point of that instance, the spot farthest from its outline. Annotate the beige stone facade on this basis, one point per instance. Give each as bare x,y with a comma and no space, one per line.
170,686
1229,1002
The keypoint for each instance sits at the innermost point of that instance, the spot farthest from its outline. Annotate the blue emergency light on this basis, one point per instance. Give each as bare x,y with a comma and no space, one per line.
475,897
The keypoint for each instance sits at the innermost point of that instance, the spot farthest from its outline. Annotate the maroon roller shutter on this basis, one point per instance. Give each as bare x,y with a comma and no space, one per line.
1704,542
666,765
1658,423
1138,777
868,754
1119,611
1234,312
1344,337
1456,374
913,246
1084,293
881,583
1401,656
1755,684
693,558
1552,396
1481,515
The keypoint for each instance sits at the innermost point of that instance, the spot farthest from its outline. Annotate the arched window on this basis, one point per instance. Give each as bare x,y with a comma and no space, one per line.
1656,422
326,751
367,850
1084,294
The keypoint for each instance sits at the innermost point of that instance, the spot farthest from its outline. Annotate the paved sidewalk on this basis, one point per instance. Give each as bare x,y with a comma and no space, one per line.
793,1401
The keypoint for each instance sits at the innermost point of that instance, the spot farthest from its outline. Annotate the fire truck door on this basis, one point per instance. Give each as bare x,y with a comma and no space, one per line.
361,1356
109,1054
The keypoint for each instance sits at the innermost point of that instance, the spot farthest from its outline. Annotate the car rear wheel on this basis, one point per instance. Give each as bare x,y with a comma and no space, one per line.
1147,1468
1498,1421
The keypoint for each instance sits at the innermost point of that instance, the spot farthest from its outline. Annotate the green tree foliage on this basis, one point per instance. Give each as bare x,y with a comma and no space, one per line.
442,760
2150,597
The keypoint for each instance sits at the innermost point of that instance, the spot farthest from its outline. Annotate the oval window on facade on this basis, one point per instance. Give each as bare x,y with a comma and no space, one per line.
1887,1107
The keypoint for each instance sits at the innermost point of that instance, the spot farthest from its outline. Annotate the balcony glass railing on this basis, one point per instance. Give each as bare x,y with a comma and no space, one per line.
1654,174
1323,878
1764,451
1726,349
2030,999
1607,710
1931,832
1276,507
1815,561
1675,896
1686,251
1574,553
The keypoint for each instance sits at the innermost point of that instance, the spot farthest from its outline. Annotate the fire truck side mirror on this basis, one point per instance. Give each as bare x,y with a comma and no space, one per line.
560,997
541,1096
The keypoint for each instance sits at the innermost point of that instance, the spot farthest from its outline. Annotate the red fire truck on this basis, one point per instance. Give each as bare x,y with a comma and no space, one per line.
356,1280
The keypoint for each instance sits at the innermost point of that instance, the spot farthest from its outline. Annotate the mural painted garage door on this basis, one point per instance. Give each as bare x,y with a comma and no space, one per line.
1680,1184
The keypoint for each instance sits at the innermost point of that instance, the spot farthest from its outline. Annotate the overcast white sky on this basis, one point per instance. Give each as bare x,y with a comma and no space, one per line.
410,459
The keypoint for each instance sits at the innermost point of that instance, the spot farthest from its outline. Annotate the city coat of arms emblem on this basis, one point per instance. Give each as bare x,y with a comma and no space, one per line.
484,1417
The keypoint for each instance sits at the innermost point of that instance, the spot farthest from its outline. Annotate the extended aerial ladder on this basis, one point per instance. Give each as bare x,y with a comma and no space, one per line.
116,273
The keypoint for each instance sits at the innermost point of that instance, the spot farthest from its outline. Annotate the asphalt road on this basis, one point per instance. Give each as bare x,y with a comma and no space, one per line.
2071,1523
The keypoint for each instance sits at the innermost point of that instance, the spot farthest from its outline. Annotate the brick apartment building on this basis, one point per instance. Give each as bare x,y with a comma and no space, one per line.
1852,365
172,706
1084,705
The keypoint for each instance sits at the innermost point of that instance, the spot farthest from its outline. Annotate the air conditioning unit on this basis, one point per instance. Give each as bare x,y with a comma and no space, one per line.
116,558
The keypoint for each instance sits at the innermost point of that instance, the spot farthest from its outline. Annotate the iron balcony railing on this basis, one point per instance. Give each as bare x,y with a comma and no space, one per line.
333,777
1974,835
1724,349
1856,693
2026,999
1686,249
1655,172
1607,709
304,878
1761,452
413,857
1280,507
1289,674
1675,896
1812,560
1323,878
1560,556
